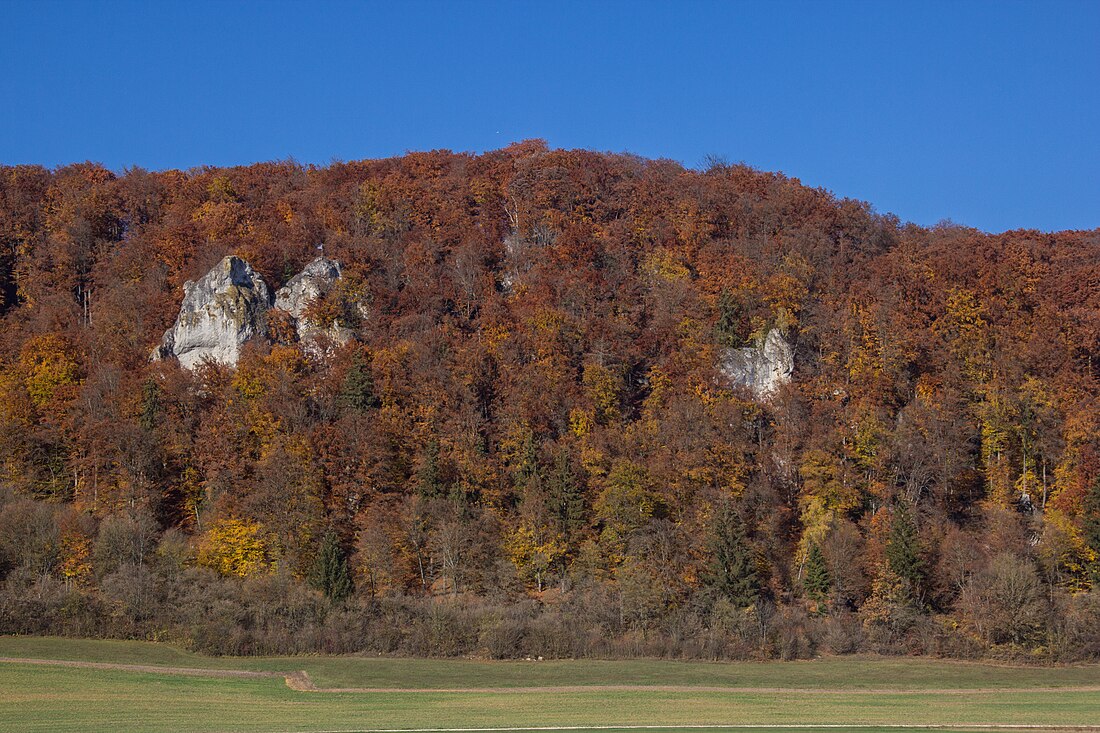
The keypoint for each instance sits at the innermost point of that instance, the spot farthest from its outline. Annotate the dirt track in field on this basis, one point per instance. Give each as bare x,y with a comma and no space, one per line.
151,668
301,682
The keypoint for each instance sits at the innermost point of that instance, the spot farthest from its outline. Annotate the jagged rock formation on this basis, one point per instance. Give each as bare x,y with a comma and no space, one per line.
314,281
761,368
228,306
220,312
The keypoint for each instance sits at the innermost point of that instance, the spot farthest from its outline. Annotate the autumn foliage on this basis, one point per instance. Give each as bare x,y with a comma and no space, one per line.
532,422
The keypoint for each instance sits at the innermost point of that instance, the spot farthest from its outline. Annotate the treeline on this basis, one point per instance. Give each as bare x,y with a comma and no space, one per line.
530,448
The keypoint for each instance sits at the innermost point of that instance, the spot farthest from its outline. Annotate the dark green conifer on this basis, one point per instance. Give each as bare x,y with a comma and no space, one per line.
1090,525
732,570
903,553
816,579
331,575
150,404
566,497
357,391
430,477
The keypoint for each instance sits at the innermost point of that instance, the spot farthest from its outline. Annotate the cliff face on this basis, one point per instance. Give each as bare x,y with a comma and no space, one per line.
313,282
316,279
219,314
228,306
762,368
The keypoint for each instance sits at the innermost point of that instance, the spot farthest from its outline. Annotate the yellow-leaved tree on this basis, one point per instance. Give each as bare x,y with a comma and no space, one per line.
534,550
234,547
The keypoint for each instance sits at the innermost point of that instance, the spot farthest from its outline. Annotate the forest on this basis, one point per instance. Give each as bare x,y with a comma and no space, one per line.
528,447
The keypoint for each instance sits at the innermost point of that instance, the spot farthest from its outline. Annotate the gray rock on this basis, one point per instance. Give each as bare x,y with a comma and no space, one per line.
314,281
220,313
762,368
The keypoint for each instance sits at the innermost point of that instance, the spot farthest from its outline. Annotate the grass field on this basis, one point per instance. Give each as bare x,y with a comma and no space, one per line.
417,694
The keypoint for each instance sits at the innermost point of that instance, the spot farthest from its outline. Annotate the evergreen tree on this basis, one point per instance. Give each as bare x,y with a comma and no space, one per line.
430,477
150,404
732,328
1090,525
903,549
527,473
566,497
816,580
357,391
330,574
732,571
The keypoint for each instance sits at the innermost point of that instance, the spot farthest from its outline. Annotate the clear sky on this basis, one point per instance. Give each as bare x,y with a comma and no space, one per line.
985,113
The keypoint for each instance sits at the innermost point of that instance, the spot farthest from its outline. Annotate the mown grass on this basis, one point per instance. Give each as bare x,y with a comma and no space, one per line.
853,673
40,698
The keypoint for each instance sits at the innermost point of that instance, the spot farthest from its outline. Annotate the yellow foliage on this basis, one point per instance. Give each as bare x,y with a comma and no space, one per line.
221,189
785,292
659,387
494,335
927,390
602,388
865,362
76,565
825,497
820,478
705,394
886,606
593,460
997,424
581,421
966,332
663,265
234,547
534,550
627,501
287,359
48,367
249,383
285,212
865,443
1064,553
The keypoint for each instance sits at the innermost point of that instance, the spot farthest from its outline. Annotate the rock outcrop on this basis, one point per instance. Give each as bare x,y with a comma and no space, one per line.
316,279
313,282
220,313
761,368
229,305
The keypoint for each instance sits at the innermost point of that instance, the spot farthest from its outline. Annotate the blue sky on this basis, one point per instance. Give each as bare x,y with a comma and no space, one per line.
985,113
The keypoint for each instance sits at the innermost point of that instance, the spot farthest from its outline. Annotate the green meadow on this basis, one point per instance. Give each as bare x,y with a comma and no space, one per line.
862,692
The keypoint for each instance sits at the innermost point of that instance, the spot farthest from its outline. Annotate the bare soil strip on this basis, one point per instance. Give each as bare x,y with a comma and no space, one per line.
301,682
152,668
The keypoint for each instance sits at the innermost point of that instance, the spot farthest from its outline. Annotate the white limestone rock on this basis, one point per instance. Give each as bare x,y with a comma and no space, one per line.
762,368
220,313
314,281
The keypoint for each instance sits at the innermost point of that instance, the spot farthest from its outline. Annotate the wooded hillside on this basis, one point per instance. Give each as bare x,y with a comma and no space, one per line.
530,448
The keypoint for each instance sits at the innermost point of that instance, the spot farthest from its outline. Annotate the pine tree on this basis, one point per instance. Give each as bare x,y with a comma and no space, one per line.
150,404
566,497
429,477
732,326
903,549
527,473
816,580
357,391
732,571
1090,525
330,574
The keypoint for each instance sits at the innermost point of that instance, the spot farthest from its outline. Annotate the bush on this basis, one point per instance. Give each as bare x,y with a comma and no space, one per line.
1004,604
